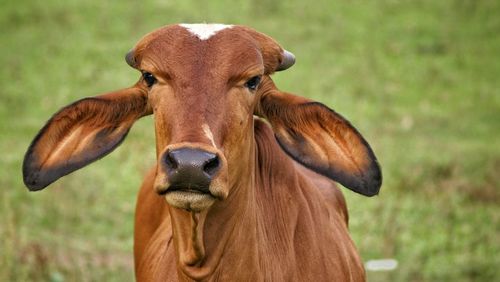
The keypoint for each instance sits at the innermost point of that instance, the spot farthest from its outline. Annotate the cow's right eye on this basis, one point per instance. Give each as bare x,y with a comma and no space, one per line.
149,78
253,83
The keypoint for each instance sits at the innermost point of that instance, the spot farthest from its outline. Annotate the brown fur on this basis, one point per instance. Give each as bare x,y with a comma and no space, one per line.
273,213
268,232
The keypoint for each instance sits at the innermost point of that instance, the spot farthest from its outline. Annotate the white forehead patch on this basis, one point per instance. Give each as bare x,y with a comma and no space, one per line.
205,31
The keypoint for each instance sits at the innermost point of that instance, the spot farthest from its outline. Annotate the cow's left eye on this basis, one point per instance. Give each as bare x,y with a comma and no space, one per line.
253,83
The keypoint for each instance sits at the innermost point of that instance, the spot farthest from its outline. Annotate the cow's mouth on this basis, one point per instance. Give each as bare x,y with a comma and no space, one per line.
198,189
191,198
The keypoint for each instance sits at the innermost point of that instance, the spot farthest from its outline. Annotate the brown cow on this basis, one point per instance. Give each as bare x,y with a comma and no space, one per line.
242,188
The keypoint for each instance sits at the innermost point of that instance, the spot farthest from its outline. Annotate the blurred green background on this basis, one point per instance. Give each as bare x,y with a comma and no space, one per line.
419,78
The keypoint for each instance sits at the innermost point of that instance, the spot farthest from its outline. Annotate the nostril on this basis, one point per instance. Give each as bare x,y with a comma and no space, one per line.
170,161
189,166
211,166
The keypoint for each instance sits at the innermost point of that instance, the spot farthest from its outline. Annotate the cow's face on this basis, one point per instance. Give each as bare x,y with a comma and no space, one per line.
202,82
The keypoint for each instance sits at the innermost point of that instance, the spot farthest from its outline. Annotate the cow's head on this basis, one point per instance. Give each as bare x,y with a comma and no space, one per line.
203,84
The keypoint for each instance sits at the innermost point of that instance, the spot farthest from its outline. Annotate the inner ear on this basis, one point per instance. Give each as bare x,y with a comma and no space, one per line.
81,133
322,140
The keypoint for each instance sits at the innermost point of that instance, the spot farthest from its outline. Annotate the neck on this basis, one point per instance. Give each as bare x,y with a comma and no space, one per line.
229,227
264,230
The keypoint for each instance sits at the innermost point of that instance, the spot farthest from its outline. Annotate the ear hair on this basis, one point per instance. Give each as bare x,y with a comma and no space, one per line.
322,140
81,133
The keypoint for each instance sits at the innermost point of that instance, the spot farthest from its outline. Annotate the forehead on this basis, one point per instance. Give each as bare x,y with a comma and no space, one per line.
184,45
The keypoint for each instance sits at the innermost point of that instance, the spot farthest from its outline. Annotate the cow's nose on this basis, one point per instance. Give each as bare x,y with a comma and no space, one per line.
191,169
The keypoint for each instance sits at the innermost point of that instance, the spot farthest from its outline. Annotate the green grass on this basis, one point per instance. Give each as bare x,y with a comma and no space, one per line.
420,79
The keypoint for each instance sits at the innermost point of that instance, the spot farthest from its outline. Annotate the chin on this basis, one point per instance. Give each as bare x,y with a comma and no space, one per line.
190,201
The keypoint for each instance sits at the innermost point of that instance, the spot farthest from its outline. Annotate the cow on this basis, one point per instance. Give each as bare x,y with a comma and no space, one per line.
243,186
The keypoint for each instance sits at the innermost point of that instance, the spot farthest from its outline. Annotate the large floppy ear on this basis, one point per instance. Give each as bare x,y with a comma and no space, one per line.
321,139
81,133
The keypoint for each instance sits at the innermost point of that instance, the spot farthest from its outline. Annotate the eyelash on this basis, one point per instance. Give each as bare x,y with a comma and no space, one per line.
253,83
149,78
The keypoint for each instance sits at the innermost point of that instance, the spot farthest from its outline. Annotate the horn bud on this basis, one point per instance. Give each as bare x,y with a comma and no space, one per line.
130,58
287,61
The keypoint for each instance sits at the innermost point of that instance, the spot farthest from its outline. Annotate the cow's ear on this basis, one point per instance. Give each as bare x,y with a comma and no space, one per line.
81,133
322,140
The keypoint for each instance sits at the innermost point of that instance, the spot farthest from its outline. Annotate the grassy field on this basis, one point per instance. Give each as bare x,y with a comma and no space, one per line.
420,79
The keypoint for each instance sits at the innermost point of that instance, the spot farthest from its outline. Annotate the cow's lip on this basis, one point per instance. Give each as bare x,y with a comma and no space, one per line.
189,199
186,189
